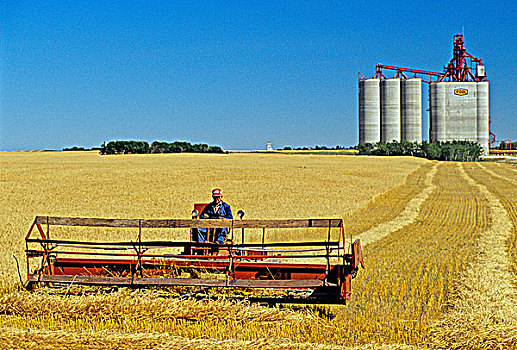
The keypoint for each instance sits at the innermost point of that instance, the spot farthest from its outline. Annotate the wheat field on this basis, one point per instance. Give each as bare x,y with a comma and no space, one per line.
439,245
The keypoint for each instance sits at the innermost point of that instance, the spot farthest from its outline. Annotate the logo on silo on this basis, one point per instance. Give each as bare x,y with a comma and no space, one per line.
461,92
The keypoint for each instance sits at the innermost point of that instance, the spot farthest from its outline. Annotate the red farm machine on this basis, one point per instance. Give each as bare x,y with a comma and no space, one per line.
321,270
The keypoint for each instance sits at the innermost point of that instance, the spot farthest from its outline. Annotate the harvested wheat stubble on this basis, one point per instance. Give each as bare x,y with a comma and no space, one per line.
483,310
155,312
410,272
508,172
498,183
387,206
408,215
145,304
36,339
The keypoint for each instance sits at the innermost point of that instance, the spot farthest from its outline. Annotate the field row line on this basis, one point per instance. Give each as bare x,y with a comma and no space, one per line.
405,218
493,173
485,300
412,270
501,184
387,205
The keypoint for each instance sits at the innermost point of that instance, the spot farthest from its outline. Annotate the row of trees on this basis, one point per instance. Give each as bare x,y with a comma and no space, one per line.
142,147
315,148
179,146
462,151
75,148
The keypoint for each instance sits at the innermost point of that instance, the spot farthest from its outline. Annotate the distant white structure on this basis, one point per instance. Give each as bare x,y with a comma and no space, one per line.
269,147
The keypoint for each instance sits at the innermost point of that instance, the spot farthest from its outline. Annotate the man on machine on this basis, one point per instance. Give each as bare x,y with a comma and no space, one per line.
217,209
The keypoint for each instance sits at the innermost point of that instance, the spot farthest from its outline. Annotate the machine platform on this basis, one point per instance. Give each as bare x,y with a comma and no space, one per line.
324,267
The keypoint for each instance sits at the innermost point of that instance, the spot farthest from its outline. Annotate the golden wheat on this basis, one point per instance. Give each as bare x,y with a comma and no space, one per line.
434,213
165,186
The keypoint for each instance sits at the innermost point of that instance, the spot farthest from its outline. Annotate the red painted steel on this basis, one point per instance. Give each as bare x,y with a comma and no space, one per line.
241,269
400,70
251,256
462,66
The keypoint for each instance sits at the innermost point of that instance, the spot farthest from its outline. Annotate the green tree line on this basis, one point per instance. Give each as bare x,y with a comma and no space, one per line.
143,147
315,148
461,151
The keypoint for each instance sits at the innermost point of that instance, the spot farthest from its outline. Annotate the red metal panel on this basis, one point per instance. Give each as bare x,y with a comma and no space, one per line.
346,287
191,263
147,281
243,270
200,207
357,255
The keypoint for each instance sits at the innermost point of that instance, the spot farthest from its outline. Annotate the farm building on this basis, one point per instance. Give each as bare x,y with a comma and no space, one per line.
390,109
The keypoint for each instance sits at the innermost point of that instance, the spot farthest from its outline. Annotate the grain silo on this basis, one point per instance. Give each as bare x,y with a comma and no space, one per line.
459,111
390,110
483,115
369,111
458,101
411,109
437,107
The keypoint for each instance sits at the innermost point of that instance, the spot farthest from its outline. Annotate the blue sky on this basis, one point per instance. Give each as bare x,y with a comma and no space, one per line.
229,73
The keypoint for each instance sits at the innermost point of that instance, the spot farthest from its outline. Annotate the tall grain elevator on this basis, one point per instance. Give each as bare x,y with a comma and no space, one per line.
390,109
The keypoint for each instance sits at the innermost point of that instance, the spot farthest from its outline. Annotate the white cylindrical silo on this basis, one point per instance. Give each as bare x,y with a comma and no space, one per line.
411,109
390,110
438,111
369,111
483,115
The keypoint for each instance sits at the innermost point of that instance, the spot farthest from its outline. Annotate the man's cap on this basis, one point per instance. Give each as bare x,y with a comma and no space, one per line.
217,193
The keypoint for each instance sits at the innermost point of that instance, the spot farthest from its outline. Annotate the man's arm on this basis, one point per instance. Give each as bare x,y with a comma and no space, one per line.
228,211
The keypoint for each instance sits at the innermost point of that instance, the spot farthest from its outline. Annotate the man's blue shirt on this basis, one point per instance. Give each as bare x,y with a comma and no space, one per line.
223,211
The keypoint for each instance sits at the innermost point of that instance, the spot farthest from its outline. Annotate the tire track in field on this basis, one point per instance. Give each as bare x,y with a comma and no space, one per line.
408,215
484,306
